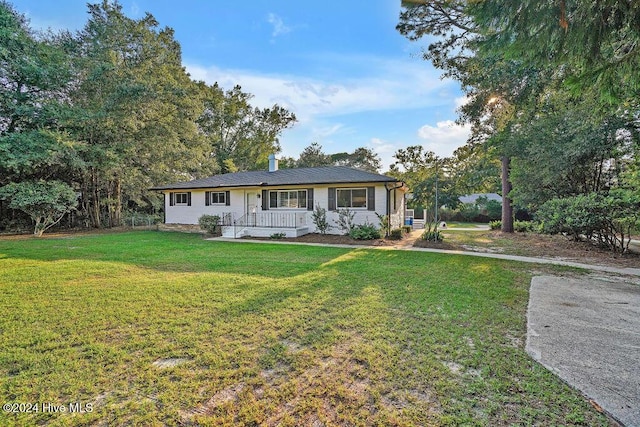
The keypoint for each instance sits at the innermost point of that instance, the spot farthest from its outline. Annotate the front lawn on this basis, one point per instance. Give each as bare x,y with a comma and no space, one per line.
149,328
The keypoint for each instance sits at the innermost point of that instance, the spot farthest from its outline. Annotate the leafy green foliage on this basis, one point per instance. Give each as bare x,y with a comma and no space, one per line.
495,225
313,156
384,224
364,232
525,226
431,233
210,223
278,236
553,86
432,236
46,202
396,234
240,136
319,218
605,220
345,220
112,111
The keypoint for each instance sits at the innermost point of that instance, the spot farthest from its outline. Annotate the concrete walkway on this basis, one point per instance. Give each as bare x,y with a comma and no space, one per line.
587,331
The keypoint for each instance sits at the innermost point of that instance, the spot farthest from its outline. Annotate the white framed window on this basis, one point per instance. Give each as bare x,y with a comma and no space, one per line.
218,198
181,199
351,198
288,199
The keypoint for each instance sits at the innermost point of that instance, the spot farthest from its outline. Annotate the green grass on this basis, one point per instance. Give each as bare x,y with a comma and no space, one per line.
268,335
455,224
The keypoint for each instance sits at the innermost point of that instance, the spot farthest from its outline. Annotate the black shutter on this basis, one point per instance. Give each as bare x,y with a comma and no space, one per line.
265,200
189,198
172,199
332,199
371,198
227,198
309,199
207,198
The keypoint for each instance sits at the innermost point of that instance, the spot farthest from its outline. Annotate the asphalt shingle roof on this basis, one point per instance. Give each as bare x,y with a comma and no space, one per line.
302,176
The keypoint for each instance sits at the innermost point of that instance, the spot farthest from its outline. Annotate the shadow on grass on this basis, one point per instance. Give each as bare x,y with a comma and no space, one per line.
389,337
174,252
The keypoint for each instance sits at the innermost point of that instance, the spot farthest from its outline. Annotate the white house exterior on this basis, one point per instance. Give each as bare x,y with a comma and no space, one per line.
261,203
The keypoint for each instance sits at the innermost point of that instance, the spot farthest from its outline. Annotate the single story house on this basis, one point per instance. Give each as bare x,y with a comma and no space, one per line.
262,203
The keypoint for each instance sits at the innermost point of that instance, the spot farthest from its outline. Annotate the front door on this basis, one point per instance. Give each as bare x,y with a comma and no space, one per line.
252,208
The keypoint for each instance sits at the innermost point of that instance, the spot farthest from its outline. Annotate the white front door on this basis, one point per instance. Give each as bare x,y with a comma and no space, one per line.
252,208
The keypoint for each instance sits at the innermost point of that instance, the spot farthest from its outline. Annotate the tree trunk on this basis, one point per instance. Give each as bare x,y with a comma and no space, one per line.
507,209
116,210
95,202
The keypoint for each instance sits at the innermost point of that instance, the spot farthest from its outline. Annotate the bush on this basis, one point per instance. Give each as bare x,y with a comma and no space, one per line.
406,229
432,236
278,236
385,227
495,225
364,232
431,233
469,211
210,223
606,220
319,218
523,226
345,220
395,234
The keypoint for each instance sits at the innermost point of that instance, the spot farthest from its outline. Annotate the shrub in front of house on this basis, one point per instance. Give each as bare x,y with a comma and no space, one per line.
364,232
210,223
524,226
495,225
432,236
319,218
395,234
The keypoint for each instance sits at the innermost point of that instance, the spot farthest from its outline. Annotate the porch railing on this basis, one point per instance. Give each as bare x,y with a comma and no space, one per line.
272,220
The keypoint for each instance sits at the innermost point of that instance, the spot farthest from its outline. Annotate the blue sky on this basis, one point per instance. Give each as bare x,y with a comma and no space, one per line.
343,69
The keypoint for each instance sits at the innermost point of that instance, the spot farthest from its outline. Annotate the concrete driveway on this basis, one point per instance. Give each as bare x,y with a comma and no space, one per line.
586,329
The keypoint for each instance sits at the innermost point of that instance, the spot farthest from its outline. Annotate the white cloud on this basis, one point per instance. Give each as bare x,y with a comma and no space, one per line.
278,24
461,101
387,85
445,137
385,150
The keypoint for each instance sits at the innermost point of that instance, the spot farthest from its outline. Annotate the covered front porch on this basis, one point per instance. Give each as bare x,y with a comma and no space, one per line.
265,224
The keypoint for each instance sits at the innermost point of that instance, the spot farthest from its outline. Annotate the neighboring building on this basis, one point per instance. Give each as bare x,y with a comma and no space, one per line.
261,203
472,198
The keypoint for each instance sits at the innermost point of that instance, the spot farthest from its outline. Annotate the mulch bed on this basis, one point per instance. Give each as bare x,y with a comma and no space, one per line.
331,239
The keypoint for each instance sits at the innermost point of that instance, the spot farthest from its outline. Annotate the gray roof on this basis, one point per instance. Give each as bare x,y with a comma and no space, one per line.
471,198
296,176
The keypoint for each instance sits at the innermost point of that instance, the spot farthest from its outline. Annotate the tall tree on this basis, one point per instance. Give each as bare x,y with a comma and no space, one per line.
135,111
240,136
362,158
426,174
34,76
313,156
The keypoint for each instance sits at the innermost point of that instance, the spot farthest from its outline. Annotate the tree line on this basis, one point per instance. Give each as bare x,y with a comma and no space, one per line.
554,95
98,117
